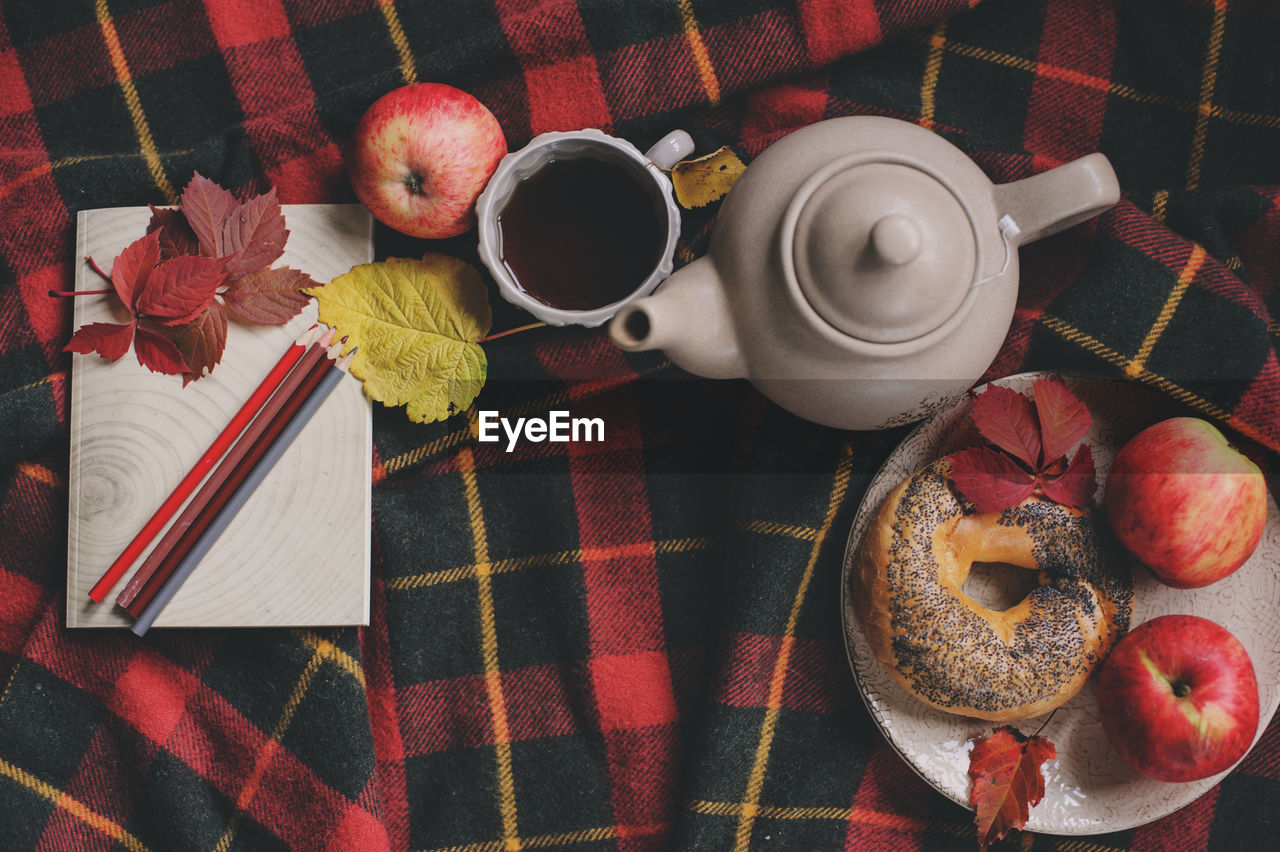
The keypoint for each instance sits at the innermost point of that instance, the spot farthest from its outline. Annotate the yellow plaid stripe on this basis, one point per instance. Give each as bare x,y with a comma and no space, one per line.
701,57
333,653
769,812
141,127
61,374
768,728
39,473
489,651
932,70
549,841
73,806
13,675
1160,205
569,557
878,819
408,70
860,816
1188,274
786,530
1208,80
1095,346
97,158
46,168
1009,60
426,451
268,752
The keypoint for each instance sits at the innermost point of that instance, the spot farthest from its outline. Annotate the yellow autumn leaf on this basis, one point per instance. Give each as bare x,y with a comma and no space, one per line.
706,179
416,323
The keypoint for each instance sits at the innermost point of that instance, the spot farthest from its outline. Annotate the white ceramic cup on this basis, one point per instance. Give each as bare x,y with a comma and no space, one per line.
520,165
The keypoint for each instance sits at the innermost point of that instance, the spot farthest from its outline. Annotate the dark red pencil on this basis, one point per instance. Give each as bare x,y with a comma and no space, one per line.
200,469
162,556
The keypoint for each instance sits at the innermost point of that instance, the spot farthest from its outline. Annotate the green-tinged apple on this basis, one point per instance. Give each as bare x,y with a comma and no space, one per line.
421,155
1178,698
1185,502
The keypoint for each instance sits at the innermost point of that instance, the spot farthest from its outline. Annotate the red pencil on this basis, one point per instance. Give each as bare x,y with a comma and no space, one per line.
231,500
261,437
195,507
205,463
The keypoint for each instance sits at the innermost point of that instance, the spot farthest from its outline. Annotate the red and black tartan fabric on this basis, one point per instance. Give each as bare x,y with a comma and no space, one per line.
629,645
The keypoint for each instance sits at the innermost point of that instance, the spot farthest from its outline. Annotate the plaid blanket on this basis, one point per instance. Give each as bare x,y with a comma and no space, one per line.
635,644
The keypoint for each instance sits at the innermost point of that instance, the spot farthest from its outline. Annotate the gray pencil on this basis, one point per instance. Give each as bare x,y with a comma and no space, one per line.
241,495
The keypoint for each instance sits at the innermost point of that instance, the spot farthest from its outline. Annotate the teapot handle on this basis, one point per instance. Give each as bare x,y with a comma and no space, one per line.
1055,200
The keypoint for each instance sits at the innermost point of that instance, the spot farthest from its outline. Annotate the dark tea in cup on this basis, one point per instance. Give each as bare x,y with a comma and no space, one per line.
582,232
577,224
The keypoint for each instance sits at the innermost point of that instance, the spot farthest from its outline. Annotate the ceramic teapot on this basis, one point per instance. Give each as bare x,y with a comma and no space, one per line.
862,273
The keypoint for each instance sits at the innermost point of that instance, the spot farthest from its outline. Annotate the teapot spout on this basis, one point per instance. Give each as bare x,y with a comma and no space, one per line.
688,318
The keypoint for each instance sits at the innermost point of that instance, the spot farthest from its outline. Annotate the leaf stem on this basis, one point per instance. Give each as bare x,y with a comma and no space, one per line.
510,331
93,264
70,293
1045,723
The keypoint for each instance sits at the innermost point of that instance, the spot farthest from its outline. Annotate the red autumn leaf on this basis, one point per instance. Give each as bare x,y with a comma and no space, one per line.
1005,770
170,281
1074,486
201,342
176,236
1007,419
989,479
110,340
1064,420
207,206
158,353
269,296
1057,467
132,269
180,289
253,235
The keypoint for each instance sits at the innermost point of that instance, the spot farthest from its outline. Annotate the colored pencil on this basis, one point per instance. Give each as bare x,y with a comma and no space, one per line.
227,512
202,467
253,444
193,514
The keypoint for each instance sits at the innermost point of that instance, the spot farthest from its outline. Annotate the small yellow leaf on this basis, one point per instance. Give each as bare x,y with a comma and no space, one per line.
706,179
416,323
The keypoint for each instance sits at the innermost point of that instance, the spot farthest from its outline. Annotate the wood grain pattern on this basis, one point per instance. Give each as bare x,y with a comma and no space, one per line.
1088,788
298,554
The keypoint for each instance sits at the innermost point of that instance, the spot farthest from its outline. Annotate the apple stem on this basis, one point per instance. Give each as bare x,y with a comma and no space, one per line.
413,182
1181,690
511,331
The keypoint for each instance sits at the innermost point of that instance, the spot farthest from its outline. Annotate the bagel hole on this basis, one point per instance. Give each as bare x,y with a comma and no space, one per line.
999,586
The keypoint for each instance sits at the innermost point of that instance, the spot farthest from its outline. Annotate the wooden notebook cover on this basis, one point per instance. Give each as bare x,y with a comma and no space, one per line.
297,554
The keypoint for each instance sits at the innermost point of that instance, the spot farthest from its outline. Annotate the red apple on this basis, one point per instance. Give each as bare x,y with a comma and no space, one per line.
1185,503
420,157
1178,698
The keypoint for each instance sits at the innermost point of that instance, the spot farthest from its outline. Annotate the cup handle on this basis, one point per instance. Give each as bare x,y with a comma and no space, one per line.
670,149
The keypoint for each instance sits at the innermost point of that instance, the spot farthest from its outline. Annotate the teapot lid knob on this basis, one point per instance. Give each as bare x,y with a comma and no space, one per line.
883,251
896,239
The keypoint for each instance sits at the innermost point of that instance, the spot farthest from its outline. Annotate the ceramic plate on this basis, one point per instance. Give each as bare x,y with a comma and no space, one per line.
1088,790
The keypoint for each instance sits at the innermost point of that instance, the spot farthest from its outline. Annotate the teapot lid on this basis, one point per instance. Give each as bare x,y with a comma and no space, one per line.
883,250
